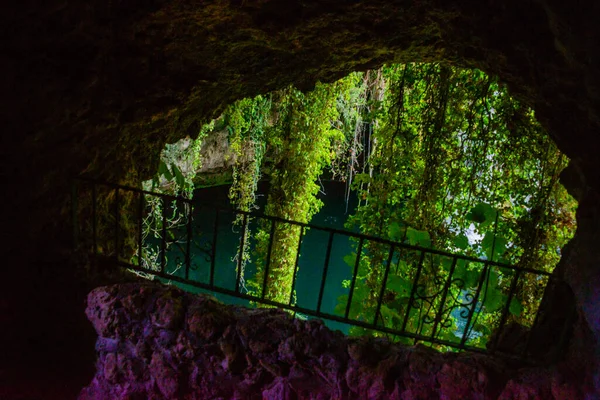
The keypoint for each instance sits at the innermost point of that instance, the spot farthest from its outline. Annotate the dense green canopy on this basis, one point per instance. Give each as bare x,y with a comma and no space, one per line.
440,157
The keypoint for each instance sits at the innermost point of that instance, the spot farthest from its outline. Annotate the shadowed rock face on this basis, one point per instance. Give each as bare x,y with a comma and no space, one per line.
98,88
159,342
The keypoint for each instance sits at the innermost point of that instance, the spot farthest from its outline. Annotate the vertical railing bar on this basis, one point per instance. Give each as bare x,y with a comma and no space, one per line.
74,214
511,293
94,219
296,264
467,331
413,290
438,315
268,263
213,255
240,262
140,230
325,268
117,223
188,249
354,274
384,284
163,242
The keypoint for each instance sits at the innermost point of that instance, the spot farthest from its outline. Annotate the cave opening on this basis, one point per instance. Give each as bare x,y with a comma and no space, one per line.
443,159
87,91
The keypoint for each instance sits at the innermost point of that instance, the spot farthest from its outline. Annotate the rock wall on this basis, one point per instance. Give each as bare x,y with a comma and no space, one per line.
98,87
158,342
217,160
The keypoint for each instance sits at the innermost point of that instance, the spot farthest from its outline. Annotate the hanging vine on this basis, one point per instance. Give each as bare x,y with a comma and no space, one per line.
247,121
464,168
300,144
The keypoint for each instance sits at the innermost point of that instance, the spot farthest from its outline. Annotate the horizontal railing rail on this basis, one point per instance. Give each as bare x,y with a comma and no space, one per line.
438,297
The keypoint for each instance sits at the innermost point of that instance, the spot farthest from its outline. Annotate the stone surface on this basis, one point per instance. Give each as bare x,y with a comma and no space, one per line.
230,352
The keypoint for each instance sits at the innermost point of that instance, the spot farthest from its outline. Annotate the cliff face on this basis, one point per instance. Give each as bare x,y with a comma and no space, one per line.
98,88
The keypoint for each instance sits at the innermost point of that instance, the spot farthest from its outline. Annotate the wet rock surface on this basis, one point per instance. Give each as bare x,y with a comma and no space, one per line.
186,346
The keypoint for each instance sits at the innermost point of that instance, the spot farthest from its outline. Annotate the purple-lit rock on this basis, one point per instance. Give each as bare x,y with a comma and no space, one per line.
158,342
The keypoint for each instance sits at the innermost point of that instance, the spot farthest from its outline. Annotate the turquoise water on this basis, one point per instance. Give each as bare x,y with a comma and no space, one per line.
310,263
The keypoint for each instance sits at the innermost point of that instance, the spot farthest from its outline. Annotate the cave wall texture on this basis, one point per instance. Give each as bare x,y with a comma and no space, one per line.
98,87
157,342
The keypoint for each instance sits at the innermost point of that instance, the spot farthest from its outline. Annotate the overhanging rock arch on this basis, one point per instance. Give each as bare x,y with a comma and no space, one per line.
103,85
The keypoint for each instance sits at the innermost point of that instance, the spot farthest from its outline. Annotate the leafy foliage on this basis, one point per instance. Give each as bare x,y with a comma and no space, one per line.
299,146
457,164
440,157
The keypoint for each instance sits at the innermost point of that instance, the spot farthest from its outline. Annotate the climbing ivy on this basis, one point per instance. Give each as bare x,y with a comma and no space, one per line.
246,121
440,157
457,164
300,144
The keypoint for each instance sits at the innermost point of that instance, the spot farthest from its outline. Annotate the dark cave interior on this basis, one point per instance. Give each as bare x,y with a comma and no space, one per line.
98,88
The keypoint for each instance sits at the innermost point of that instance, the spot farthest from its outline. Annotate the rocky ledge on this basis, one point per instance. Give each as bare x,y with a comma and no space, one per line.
159,342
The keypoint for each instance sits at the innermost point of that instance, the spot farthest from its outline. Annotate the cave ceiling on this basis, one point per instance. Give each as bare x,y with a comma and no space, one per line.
95,80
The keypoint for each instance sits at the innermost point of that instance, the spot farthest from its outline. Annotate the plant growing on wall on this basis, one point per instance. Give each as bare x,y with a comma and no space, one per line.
300,144
178,165
246,121
458,165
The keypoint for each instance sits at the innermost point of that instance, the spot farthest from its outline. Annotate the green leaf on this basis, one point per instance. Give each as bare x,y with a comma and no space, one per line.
399,285
164,170
515,308
390,315
462,271
494,300
361,292
483,328
350,259
499,246
482,213
447,263
461,242
396,232
340,308
402,266
179,178
418,238
494,278
472,278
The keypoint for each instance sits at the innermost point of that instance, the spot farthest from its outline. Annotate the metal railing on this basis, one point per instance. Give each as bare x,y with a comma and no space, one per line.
411,293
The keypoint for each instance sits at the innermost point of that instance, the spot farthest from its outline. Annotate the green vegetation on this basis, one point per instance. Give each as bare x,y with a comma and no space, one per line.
457,164
178,165
440,158
300,145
